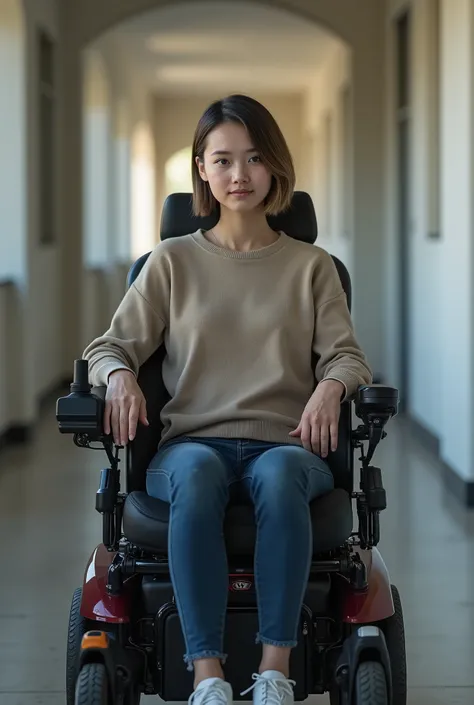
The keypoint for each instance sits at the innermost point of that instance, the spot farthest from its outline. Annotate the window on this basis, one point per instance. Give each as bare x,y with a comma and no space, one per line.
97,158
143,192
346,160
178,172
47,152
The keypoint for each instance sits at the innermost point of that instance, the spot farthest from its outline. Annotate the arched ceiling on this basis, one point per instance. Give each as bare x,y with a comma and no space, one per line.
202,47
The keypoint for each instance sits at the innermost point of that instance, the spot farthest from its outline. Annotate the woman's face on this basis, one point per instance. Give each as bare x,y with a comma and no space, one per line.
232,167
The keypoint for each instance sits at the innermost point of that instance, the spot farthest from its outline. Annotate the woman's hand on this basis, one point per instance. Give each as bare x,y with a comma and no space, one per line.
125,405
318,428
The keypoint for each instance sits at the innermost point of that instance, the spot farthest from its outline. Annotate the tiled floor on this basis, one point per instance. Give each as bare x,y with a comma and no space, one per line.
48,526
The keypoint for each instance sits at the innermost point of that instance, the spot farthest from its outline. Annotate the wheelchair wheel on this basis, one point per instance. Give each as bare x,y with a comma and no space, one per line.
370,686
92,686
394,633
76,630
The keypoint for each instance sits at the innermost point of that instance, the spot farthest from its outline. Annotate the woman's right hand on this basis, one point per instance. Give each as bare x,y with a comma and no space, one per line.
125,406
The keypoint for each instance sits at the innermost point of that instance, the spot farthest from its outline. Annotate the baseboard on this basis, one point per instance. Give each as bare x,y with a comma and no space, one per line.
462,489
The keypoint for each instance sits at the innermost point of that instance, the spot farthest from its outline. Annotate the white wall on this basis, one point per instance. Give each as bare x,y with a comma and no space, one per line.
441,269
31,306
13,141
425,335
43,336
455,275
13,207
325,160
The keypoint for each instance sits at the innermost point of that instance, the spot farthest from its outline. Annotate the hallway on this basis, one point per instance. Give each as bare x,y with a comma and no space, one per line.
49,527
97,114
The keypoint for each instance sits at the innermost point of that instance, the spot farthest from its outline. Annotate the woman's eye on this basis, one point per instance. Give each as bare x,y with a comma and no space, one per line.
255,159
221,161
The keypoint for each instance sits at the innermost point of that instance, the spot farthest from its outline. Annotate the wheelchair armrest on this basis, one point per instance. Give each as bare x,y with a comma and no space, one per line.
376,400
82,411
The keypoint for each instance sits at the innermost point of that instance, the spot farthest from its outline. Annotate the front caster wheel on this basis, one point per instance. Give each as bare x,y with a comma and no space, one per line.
92,686
370,687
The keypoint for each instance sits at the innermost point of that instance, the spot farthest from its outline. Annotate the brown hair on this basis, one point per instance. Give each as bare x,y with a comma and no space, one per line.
268,140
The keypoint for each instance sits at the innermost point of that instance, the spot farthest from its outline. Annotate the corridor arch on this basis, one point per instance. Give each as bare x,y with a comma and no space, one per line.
94,19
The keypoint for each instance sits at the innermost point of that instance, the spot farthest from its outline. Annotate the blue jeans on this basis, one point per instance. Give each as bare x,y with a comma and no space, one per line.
198,477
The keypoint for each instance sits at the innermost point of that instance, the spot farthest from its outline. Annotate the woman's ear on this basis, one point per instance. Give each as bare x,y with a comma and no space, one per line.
202,171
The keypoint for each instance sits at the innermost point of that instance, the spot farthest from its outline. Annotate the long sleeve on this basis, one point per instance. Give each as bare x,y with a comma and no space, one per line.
338,353
137,327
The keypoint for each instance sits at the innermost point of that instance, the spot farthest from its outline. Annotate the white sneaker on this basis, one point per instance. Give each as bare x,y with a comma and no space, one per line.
271,688
212,691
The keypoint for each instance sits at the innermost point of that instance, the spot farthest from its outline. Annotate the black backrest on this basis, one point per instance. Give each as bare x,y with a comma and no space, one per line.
299,221
178,220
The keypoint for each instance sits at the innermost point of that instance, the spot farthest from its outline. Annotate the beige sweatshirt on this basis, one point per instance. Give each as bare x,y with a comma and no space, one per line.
242,331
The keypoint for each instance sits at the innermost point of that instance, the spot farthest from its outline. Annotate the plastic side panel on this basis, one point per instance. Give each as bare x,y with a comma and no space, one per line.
96,603
376,602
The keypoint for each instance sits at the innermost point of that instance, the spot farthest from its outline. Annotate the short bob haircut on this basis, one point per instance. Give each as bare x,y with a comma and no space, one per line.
267,139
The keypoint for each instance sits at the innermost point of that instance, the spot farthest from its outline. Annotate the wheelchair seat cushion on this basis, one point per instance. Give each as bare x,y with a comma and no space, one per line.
145,523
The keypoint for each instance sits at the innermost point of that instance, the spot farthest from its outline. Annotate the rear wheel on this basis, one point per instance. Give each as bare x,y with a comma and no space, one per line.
370,687
394,632
76,630
91,686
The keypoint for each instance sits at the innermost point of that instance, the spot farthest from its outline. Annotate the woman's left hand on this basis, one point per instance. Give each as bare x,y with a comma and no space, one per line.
318,428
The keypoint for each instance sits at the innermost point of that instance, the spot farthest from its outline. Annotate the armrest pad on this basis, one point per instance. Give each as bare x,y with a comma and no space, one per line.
376,398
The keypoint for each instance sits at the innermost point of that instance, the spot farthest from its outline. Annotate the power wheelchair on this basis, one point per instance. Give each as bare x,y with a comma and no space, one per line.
124,634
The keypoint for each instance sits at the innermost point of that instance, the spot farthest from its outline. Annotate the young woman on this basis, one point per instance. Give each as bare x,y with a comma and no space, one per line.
244,312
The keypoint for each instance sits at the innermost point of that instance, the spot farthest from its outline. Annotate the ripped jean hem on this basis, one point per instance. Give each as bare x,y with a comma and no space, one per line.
271,642
190,658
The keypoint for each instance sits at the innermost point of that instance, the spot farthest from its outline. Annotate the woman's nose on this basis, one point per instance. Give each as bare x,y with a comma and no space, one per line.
240,172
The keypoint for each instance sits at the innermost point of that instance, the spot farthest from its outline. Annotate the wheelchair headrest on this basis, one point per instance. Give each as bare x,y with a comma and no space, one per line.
298,222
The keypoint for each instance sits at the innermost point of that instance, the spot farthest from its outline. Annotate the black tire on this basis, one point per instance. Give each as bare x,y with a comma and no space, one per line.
78,626
91,686
370,686
394,632
76,630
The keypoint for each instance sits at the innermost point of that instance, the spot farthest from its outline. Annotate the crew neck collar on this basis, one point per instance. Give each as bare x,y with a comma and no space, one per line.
262,252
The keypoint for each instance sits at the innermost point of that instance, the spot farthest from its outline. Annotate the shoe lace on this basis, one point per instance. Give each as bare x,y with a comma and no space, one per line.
276,689
212,693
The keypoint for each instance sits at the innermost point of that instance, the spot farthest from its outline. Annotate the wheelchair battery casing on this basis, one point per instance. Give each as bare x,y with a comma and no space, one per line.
239,641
